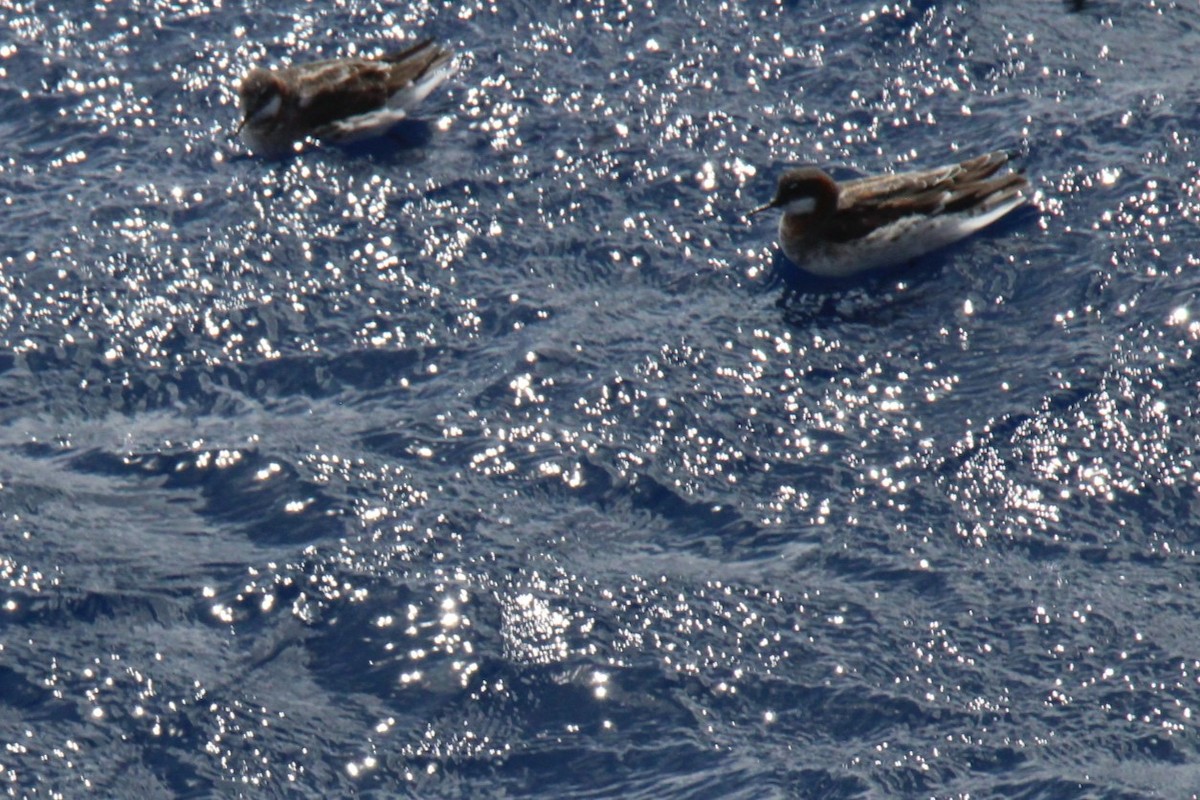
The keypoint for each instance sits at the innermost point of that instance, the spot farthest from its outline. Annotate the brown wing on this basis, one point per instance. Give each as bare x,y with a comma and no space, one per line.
331,90
870,203
903,184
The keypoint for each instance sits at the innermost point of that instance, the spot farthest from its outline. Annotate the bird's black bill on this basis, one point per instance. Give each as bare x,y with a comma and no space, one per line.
759,210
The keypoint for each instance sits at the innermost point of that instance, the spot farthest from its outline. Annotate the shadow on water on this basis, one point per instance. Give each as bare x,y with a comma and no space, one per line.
874,298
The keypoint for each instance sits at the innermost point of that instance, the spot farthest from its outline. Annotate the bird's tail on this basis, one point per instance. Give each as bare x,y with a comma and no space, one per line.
426,66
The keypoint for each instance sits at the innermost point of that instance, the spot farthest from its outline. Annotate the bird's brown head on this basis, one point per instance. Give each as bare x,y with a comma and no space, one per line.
262,96
805,190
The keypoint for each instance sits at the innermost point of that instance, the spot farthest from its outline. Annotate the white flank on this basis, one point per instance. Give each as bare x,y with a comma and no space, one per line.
901,241
362,126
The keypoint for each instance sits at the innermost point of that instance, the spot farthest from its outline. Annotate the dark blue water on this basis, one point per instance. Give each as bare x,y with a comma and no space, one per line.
495,459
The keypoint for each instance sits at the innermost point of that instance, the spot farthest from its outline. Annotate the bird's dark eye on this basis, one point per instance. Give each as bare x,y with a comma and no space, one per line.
793,189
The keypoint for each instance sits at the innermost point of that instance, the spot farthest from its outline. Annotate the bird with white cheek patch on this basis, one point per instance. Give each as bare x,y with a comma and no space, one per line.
340,99
837,230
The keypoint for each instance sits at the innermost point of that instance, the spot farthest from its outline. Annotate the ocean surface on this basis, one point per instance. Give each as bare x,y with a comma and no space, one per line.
502,457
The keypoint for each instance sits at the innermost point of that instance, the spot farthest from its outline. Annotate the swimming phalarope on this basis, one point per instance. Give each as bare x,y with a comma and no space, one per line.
343,98
840,229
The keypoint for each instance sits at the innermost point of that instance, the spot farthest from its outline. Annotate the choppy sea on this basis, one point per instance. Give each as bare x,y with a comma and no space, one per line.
502,457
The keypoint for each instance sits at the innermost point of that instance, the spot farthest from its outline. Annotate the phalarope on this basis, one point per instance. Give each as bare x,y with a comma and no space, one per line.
836,229
338,99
